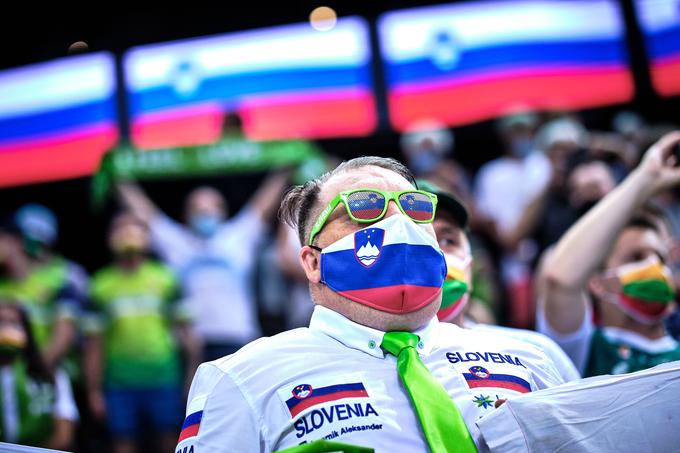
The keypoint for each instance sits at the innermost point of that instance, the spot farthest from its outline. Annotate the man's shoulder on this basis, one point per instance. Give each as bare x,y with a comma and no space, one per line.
266,353
483,340
617,337
530,336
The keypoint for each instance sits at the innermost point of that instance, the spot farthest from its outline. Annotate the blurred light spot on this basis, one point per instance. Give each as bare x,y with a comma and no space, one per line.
78,47
323,18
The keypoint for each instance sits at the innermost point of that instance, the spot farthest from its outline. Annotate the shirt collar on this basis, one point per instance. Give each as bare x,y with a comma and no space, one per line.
363,338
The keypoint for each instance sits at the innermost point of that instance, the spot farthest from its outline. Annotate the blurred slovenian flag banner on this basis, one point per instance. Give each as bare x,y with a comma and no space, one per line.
474,61
57,118
660,24
284,82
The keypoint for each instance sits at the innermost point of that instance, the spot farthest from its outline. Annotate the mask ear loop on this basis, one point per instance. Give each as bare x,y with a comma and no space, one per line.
318,249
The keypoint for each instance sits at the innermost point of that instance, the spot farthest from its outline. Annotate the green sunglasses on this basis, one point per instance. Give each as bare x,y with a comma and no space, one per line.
369,205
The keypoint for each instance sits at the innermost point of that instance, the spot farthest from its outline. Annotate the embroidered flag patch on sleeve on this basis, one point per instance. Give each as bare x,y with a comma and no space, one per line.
191,425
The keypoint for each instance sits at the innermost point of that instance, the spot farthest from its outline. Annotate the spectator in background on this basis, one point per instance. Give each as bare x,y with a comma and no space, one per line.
617,260
503,189
481,292
556,209
213,257
131,350
560,140
428,146
39,230
52,300
36,404
635,131
450,226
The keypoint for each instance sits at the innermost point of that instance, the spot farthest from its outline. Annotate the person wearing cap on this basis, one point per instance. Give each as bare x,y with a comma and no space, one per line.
375,367
614,262
50,286
451,226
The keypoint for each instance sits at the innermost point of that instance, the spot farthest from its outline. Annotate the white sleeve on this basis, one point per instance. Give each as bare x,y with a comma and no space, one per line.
64,405
228,421
170,240
602,413
575,344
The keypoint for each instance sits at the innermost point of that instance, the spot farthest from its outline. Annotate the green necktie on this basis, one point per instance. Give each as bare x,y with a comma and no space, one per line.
440,419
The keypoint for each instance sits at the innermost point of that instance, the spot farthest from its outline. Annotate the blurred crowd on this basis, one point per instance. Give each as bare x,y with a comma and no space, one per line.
104,361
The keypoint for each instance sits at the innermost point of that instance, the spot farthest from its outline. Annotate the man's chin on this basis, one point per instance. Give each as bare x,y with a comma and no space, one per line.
378,319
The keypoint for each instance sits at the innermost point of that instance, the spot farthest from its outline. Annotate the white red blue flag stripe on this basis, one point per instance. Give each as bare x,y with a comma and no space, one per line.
288,81
472,61
191,426
369,265
660,24
56,118
495,380
326,394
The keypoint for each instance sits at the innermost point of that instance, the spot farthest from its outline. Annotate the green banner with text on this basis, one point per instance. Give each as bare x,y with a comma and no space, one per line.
228,156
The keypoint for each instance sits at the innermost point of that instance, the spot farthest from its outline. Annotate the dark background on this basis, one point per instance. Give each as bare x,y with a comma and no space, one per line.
33,33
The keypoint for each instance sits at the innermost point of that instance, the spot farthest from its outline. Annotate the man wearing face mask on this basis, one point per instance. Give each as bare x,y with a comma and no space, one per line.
450,226
504,187
375,367
615,261
132,361
214,257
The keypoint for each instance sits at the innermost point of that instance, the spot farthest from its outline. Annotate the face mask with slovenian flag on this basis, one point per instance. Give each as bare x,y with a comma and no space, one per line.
393,266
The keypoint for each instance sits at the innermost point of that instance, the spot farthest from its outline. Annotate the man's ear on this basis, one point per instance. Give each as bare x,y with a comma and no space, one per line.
310,260
600,285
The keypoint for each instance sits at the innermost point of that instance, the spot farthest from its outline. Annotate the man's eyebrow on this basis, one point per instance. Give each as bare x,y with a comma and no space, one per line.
448,229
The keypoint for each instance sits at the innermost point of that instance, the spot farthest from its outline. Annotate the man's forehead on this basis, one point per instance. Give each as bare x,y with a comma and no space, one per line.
370,176
637,239
446,221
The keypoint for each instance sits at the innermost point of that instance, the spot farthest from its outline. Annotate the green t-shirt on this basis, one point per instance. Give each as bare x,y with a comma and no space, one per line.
134,312
30,405
39,292
612,356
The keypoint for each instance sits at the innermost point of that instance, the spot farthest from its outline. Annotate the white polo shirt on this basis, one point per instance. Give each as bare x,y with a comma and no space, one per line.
215,274
332,381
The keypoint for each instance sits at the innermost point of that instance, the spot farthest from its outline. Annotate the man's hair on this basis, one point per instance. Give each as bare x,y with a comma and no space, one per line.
298,203
125,217
651,216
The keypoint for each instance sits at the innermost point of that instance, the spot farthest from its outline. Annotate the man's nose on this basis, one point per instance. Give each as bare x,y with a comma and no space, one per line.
392,209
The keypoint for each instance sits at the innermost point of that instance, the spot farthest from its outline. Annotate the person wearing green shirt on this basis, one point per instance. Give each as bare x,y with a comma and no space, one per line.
52,301
36,405
614,261
134,332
